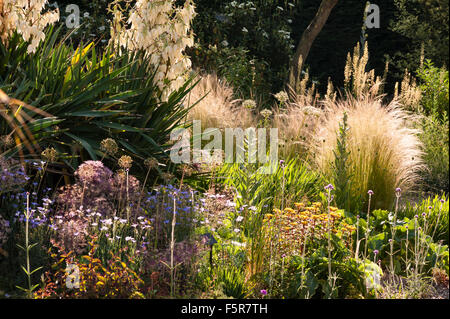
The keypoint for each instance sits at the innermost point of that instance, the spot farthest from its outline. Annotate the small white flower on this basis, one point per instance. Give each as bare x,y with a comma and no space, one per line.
239,219
244,29
237,230
86,14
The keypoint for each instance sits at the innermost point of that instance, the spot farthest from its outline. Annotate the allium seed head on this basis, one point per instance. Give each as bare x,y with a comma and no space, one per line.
125,162
151,162
109,146
93,172
49,154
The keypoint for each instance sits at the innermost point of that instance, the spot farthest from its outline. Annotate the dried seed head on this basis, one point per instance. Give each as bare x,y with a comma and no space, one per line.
125,162
167,176
49,154
151,162
109,146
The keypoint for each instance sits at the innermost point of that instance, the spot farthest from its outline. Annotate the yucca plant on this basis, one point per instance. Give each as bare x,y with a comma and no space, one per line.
81,96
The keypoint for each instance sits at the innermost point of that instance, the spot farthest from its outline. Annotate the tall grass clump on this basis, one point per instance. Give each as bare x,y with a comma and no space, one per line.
216,105
296,121
384,153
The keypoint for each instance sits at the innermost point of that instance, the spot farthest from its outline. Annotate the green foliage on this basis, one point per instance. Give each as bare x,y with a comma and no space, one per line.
237,66
252,38
434,86
91,96
436,157
436,214
233,282
424,26
291,181
350,275
430,252
341,169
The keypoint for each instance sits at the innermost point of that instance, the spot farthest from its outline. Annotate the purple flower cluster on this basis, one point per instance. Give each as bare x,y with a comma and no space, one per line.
159,205
12,175
39,212
97,191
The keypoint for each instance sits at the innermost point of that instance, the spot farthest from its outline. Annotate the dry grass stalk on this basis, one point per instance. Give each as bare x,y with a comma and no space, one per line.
356,79
410,94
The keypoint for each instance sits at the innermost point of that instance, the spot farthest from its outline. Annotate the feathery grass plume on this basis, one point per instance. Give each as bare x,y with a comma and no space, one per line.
216,106
331,93
296,125
410,94
384,152
304,94
356,79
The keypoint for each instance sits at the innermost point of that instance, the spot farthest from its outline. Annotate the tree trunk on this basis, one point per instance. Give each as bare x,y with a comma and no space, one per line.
308,37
